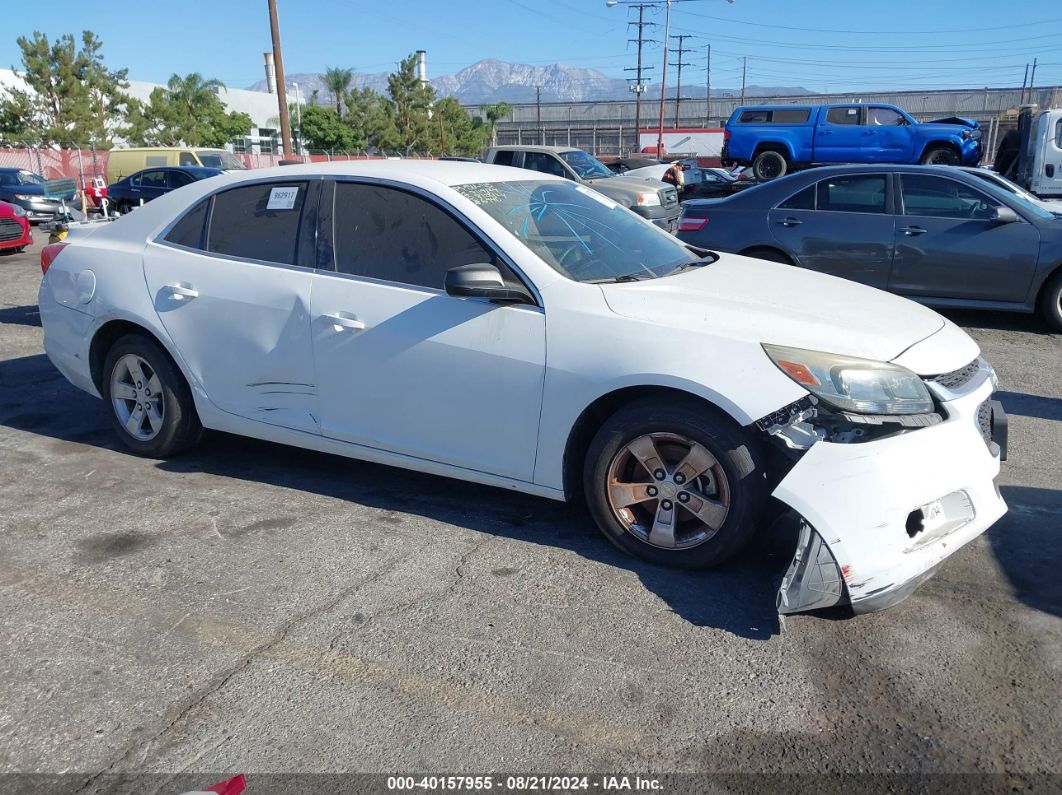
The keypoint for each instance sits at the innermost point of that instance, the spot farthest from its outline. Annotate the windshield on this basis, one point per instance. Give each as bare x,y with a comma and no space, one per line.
219,158
29,178
578,232
585,165
1015,194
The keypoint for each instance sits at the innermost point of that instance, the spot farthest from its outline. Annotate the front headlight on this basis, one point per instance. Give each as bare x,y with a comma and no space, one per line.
18,211
860,386
651,199
26,197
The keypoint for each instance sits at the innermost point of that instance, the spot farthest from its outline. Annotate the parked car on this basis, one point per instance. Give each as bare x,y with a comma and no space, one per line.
1053,206
26,189
123,162
15,233
396,312
697,182
656,203
622,165
129,192
777,139
936,234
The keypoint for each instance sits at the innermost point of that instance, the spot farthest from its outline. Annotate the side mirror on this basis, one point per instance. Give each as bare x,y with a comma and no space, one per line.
1004,215
483,281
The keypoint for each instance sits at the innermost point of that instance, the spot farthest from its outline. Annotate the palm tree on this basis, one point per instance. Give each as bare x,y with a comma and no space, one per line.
192,91
494,114
337,81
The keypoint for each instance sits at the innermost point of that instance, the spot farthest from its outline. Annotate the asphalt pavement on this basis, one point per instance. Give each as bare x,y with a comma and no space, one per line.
250,607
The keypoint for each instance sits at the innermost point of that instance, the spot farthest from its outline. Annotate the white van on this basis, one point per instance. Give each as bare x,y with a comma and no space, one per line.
123,162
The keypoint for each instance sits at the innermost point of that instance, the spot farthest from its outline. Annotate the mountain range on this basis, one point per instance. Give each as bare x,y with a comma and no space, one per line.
492,80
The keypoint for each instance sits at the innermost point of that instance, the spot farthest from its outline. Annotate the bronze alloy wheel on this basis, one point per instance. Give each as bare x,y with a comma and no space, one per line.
668,491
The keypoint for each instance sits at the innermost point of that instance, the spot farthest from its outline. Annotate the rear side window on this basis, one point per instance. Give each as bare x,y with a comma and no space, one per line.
189,230
775,116
258,222
858,194
805,200
504,158
843,116
389,234
755,117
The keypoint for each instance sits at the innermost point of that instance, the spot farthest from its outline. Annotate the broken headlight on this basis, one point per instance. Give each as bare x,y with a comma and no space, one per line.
858,386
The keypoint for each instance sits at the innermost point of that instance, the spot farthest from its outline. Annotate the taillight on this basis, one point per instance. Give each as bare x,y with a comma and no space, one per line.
726,136
692,224
49,253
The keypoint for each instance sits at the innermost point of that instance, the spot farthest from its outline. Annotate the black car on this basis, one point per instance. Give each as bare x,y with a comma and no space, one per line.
26,189
935,234
143,186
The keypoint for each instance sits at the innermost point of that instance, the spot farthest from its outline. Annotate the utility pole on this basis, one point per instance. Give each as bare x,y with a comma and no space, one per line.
708,90
678,81
282,94
663,81
1032,80
538,113
744,67
1024,80
639,87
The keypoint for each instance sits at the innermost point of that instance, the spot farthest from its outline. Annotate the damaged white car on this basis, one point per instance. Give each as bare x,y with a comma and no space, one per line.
525,332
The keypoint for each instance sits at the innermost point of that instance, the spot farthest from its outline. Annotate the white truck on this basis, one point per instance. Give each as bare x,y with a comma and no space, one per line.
1031,156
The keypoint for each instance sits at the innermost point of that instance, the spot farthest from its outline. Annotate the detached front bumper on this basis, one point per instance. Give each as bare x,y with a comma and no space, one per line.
879,518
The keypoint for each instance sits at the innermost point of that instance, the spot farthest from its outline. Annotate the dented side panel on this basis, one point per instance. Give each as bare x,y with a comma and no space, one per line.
245,334
860,499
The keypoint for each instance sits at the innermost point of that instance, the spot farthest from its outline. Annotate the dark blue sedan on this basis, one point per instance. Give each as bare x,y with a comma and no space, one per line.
130,192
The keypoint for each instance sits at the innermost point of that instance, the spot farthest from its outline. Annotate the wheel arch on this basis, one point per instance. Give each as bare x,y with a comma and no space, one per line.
110,332
781,147
750,251
1049,277
940,143
597,412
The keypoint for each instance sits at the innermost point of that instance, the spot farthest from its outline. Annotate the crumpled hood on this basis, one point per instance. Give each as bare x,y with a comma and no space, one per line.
760,301
952,121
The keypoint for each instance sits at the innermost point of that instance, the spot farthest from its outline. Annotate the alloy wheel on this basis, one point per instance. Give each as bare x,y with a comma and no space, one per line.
136,394
668,491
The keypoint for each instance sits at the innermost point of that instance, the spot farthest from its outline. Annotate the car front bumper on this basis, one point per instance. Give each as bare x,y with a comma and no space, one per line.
39,209
664,217
878,518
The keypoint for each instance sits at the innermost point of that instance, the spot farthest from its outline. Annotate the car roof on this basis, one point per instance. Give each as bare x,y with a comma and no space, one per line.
209,170
442,172
537,148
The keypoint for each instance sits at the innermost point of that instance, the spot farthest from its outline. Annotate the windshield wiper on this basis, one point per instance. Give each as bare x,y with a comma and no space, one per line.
627,277
697,263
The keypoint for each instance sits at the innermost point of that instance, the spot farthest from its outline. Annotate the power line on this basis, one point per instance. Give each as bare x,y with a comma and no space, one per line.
759,24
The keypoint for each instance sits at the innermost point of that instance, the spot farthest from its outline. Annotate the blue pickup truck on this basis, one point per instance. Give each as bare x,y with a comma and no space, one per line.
776,139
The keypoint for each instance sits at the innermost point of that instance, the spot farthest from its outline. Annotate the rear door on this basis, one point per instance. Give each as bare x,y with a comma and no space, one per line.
840,225
150,185
839,135
948,246
231,284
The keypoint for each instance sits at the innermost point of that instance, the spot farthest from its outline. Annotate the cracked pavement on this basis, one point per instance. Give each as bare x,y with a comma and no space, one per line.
249,607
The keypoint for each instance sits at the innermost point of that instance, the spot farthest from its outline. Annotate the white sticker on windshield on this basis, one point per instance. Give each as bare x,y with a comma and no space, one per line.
282,198
593,194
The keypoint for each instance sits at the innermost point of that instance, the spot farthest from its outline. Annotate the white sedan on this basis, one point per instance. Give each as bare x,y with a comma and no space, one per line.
525,332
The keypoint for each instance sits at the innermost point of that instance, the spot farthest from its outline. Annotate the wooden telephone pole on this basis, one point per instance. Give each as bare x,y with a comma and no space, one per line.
282,94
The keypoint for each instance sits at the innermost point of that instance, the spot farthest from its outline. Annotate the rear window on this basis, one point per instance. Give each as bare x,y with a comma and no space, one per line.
805,200
775,116
189,230
258,222
504,157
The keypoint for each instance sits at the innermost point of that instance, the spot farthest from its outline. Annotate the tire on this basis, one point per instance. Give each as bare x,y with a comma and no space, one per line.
1051,301
124,208
941,156
769,254
178,426
769,165
732,480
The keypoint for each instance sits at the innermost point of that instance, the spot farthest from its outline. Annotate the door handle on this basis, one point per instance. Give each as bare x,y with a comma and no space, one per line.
340,321
825,132
912,231
180,292
790,222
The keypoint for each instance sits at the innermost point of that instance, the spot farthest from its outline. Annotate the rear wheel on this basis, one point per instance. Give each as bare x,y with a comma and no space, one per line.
674,483
1051,301
769,165
124,208
150,404
940,156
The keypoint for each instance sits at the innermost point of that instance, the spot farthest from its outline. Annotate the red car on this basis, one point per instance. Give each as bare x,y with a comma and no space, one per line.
14,228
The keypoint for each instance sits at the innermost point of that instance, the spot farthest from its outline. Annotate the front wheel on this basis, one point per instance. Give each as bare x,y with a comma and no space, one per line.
150,404
940,156
675,483
1051,302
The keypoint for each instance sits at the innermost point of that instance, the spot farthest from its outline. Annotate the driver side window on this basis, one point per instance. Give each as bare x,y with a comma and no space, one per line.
940,197
546,163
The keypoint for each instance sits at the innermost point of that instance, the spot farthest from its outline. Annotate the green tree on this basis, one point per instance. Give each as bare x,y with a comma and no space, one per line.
72,97
369,117
456,133
494,114
323,130
187,111
337,81
410,105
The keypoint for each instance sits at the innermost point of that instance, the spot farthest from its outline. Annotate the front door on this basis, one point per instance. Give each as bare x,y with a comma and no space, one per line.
1046,176
948,245
236,304
404,367
886,136
841,226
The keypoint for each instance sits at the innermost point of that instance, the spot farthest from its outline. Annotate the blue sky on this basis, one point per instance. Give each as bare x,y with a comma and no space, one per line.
821,45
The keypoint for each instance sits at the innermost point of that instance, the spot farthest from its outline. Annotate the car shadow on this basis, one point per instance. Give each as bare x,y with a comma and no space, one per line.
1045,408
738,598
21,315
1028,547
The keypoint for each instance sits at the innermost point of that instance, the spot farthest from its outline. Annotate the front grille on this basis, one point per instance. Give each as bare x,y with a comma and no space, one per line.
958,378
984,420
9,230
669,198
